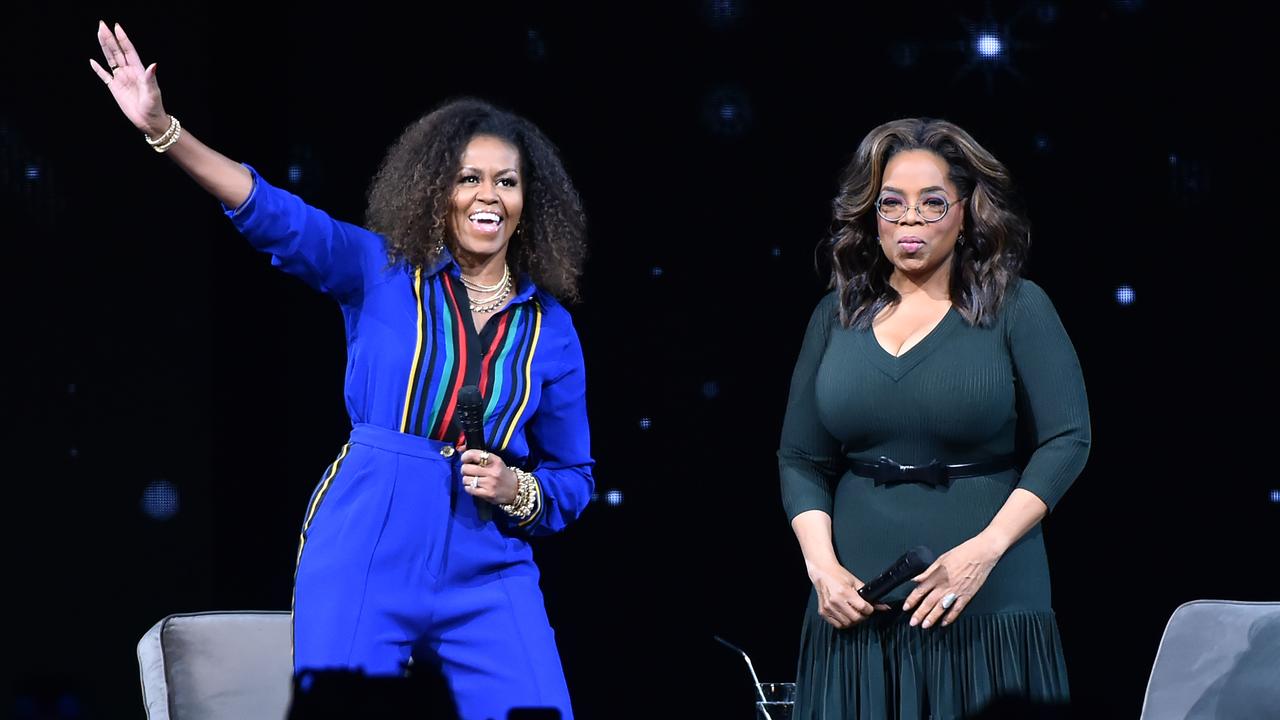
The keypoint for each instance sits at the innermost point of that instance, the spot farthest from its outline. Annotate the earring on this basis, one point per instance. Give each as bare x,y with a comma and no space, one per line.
960,238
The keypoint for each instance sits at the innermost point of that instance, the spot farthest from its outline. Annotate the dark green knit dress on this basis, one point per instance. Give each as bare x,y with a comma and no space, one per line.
955,397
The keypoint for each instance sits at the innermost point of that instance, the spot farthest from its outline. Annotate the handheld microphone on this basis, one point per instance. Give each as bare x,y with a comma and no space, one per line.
471,421
471,417
912,563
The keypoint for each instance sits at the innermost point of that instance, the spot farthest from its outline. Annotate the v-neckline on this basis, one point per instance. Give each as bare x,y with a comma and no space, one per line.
483,336
937,324
896,366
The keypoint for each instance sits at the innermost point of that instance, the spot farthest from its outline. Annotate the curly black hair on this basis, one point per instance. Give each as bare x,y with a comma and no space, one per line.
410,198
995,226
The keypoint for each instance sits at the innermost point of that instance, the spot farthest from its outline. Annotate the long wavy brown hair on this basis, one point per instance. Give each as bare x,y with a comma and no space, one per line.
997,233
411,197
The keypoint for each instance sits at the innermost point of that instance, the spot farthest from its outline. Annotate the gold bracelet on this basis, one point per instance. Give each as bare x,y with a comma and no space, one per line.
173,123
526,496
177,133
522,506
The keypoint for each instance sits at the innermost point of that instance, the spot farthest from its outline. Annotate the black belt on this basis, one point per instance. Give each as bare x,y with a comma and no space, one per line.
935,474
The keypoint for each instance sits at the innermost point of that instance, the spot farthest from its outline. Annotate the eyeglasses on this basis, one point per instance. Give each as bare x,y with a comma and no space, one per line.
931,209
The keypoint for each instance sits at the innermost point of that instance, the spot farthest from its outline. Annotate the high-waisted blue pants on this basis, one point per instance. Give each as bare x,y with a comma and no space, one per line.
394,563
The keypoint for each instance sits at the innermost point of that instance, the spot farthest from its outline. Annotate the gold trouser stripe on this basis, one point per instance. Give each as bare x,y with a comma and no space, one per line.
302,536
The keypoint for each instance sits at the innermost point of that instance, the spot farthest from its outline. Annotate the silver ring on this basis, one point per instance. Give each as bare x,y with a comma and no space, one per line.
475,481
948,600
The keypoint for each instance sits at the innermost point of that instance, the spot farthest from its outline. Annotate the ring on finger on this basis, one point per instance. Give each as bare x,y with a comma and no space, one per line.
475,481
484,458
948,600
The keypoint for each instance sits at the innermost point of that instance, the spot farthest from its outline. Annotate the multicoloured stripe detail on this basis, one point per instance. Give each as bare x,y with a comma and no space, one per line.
313,506
508,373
417,350
448,357
510,427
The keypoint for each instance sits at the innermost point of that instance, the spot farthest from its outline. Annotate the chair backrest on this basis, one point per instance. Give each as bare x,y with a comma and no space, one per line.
1217,659
201,666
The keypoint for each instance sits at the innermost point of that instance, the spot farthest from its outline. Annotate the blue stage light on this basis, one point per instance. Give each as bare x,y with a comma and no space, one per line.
722,14
536,46
727,112
160,500
988,45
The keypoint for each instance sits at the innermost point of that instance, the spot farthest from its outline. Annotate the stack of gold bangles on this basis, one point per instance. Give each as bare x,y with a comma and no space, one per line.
526,496
170,136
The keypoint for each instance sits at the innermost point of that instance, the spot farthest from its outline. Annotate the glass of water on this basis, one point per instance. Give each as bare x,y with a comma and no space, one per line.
778,699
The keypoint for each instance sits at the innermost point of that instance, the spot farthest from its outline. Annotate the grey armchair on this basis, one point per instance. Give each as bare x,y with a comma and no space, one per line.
1217,659
216,665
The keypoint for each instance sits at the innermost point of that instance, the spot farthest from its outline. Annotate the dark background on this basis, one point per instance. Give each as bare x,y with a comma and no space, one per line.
151,345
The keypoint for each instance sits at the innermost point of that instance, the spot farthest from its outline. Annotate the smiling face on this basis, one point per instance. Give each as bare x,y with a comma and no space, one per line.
488,198
917,181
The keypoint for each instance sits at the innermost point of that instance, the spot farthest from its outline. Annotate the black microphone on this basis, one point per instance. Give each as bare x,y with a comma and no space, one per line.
471,421
471,417
912,563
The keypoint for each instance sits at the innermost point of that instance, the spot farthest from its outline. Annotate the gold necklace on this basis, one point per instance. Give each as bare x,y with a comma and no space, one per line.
505,291
502,282
498,301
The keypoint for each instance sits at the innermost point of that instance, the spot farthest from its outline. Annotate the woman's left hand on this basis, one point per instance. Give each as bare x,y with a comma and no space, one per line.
960,571
486,476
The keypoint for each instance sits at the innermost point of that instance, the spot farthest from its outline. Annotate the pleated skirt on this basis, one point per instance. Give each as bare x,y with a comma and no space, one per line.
885,669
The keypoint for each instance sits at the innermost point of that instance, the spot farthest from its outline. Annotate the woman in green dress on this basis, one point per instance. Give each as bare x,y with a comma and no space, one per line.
919,372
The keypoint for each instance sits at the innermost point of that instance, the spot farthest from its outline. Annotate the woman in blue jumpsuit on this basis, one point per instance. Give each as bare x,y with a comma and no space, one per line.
413,546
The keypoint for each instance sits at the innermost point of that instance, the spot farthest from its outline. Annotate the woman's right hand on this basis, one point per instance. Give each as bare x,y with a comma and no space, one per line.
131,83
838,600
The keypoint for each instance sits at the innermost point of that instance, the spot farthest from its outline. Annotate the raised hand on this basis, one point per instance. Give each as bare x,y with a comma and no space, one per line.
132,84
